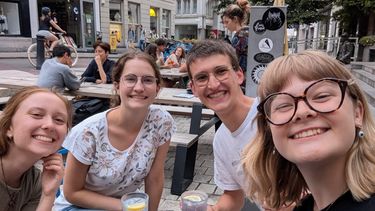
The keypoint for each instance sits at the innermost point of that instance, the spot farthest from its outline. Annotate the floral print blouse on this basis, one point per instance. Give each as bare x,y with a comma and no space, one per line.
113,172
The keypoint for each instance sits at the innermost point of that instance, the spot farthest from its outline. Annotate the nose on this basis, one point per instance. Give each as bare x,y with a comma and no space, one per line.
303,111
212,81
48,123
138,85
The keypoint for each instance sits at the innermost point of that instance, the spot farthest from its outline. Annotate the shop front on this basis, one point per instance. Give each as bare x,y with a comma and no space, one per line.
12,23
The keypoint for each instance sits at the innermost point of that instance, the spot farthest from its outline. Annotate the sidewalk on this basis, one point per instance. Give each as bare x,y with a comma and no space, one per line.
15,55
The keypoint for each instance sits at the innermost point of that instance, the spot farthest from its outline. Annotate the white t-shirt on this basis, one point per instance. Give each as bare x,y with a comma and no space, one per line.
227,146
113,172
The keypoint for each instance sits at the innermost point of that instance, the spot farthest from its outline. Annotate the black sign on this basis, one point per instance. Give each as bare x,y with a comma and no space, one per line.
263,57
273,19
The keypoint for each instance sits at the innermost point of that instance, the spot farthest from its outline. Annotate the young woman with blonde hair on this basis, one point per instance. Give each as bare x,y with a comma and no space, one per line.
315,137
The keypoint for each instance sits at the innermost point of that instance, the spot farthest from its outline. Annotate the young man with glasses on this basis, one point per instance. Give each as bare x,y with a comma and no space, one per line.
55,72
216,77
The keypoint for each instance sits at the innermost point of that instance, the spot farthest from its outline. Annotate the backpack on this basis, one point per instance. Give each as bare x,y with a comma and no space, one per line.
86,107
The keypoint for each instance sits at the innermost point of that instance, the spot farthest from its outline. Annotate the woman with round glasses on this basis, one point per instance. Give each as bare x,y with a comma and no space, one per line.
112,153
315,137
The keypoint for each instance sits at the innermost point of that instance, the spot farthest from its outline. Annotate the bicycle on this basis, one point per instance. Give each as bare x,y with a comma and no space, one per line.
32,55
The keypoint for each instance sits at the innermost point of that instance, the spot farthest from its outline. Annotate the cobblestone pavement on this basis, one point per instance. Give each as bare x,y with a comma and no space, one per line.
203,174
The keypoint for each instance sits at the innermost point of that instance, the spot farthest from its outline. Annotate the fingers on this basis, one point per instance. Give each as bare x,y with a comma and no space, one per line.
54,162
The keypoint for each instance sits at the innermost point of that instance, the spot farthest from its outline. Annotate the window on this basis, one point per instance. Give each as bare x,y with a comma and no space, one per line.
166,23
186,6
195,7
9,19
178,6
133,13
209,10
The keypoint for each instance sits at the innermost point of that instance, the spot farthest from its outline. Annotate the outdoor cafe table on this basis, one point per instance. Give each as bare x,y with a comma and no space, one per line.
165,95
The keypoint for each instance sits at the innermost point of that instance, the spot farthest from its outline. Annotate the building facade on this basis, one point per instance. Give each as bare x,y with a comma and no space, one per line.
85,20
195,19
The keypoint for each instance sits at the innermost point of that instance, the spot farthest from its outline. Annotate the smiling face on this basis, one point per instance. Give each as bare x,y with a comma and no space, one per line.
316,137
216,95
39,125
142,94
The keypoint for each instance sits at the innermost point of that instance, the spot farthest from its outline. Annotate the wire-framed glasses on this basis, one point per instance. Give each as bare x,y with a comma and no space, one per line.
131,80
221,73
324,96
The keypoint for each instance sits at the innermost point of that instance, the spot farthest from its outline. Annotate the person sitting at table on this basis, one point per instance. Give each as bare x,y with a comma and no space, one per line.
33,126
315,138
100,68
112,153
176,60
56,73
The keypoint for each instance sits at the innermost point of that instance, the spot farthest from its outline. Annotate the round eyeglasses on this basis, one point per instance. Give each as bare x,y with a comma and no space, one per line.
324,96
131,80
221,73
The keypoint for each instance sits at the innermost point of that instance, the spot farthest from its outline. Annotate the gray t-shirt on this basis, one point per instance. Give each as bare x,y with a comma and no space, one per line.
54,74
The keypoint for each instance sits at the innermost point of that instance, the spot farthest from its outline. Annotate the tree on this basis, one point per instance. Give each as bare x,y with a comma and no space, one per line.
357,17
298,12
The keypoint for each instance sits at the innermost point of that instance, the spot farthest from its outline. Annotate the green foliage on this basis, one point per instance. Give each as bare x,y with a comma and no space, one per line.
352,12
298,11
367,40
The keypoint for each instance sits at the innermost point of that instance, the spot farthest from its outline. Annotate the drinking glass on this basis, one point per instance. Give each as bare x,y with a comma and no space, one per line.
135,201
193,201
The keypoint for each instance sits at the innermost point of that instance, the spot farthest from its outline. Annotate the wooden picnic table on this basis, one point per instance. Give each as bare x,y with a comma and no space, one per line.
172,73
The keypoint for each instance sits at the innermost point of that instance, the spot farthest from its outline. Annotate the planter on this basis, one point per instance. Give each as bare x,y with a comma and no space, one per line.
368,54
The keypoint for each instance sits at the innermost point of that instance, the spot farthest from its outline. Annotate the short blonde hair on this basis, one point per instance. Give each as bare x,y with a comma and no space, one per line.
277,181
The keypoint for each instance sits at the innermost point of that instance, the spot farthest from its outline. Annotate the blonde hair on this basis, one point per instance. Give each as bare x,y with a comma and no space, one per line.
277,181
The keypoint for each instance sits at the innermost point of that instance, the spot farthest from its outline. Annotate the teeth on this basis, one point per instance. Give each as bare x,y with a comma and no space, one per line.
308,133
43,138
218,94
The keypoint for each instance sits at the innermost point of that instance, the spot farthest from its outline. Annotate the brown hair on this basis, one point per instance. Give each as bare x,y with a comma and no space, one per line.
277,181
118,69
106,47
236,11
209,47
12,107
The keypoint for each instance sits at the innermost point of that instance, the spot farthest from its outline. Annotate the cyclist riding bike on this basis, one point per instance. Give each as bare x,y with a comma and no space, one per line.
46,22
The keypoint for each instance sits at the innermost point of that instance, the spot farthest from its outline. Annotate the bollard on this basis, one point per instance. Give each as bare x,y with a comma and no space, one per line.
39,51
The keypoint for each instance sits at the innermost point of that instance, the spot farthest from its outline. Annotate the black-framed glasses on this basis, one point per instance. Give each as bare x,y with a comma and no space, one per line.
131,80
324,96
221,73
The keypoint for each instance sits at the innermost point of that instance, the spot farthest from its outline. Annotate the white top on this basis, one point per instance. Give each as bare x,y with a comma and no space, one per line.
227,146
113,172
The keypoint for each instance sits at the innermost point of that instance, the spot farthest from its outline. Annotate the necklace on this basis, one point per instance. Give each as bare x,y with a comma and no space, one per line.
12,197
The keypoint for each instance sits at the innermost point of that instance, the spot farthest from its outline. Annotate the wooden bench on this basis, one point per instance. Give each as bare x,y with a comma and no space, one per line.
187,111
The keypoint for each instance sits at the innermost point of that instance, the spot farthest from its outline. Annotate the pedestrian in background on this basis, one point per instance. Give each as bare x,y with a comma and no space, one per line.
234,19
